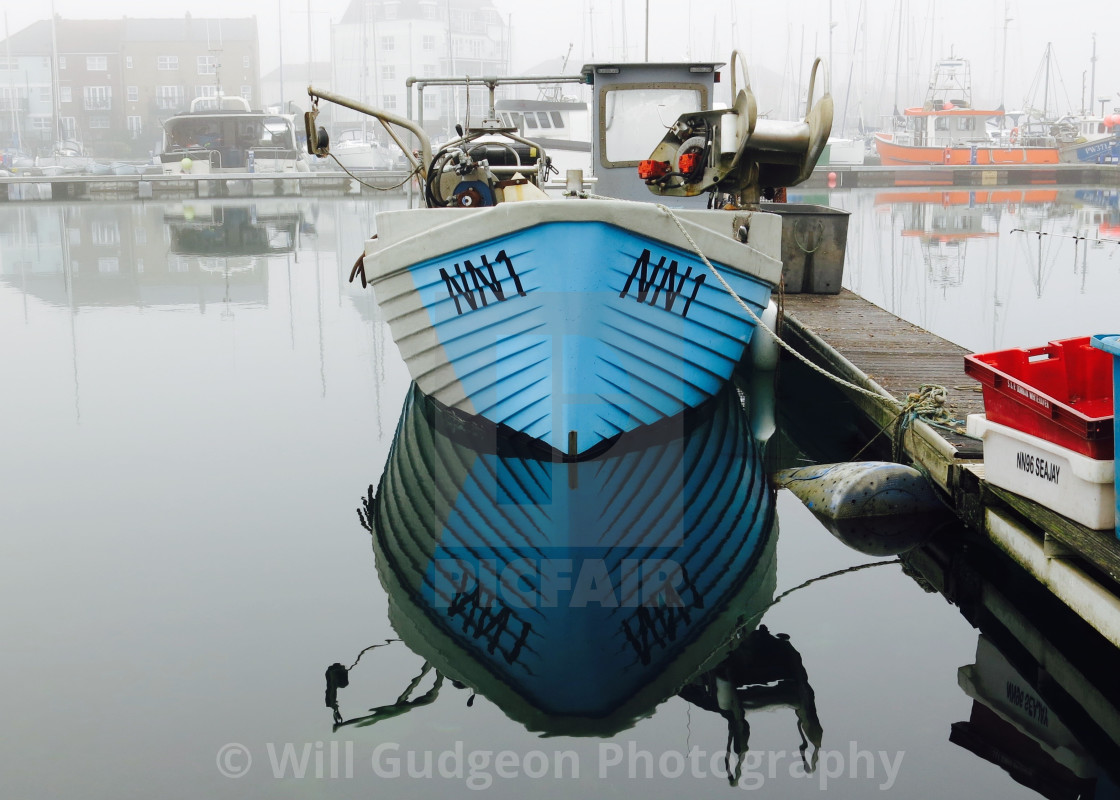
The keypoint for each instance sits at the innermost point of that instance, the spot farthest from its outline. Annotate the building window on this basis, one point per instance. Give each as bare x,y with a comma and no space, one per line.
387,43
430,71
245,62
41,123
135,126
65,94
100,121
167,62
44,94
247,93
389,102
98,98
429,11
69,127
97,63
62,62
103,233
392,10
388,72
206,91
428,42
133,94
431,101
169,97
128,62
206,65
108,264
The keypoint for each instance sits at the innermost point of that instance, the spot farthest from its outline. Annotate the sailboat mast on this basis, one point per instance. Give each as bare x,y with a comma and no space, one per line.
12,86
1046,84
1003,68
55,78
1093,80
280,45
898,54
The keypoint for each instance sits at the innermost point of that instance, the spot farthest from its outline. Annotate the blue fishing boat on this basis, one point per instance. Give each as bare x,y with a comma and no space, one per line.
578,318
576,595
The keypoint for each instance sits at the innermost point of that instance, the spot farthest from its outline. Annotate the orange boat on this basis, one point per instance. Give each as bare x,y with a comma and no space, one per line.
947,130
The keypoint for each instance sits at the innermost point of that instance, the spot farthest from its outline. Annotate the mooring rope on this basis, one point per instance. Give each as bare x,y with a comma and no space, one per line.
928,405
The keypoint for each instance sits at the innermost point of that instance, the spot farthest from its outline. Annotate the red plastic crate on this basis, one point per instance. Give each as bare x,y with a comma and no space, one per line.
1061,392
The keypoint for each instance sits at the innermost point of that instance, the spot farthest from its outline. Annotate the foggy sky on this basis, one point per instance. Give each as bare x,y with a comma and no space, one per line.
781,37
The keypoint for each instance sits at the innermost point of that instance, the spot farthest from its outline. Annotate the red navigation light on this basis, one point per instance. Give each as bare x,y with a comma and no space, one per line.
687,162
651,170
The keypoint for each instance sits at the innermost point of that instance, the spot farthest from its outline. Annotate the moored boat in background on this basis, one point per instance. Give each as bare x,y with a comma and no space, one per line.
224,134
948,130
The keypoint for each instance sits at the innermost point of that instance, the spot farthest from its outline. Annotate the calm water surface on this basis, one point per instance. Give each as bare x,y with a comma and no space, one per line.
194,401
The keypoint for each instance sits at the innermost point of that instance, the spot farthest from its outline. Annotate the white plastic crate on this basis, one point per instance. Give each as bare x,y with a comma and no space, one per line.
1074,485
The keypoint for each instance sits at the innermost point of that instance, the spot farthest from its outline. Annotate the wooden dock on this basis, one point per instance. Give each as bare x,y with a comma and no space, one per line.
873,176
149,186
860,342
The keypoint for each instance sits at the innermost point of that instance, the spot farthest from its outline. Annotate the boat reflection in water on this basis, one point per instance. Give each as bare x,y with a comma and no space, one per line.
231,241
577,595
191,253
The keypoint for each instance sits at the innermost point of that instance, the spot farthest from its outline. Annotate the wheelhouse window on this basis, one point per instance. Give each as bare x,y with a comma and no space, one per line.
634,119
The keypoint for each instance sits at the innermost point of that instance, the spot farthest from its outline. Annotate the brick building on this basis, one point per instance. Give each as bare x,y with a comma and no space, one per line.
116,79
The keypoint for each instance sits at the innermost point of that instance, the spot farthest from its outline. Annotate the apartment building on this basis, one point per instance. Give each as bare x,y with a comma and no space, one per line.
379,44
114,80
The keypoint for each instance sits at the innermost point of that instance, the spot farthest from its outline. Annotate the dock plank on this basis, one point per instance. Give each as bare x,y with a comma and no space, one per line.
897,355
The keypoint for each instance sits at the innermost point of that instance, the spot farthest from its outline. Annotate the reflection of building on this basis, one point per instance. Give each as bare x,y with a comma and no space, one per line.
378,44
117,78
287,85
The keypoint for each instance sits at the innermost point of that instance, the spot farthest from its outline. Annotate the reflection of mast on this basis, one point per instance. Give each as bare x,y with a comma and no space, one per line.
68,276
1038,280
319,307
291,316
23,261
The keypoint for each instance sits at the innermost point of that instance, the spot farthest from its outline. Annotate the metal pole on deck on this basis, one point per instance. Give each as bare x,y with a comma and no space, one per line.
647,30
